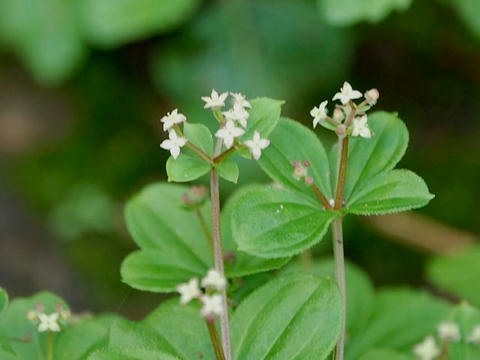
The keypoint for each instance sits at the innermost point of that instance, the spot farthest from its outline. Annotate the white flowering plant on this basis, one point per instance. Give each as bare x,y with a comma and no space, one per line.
240,291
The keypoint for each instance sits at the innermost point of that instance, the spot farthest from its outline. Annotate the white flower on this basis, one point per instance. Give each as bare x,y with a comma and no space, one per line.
188,291
212,305
427,350
448,331
256,145
32,315
360,127
474,336
347,93
237,113
48,322
372,96
172,118
174,143
319,113
240,100
228,133
215,101
214,280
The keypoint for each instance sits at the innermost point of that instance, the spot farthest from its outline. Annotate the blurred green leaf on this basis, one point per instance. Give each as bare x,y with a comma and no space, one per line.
468,11
3,301
186,168
348,12
228,170
401,318
272,223
458,274
6,350
384,355
111,23
467,318
45,34
134,353
294,316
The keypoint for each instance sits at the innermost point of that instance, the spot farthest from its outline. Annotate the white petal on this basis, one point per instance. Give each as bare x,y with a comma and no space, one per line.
43,327
256,153
175,151
228,141
166,144
264,143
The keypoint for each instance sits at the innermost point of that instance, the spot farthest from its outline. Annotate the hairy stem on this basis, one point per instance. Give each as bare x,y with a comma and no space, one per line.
218,254
340,276
342,172
217,346
320,195
49,345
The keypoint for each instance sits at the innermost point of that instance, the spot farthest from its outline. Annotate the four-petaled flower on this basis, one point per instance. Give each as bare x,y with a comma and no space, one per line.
240,100
346,94
215,101
172,118
212,305
360,127
427,349
214,280
474,336
174,143
48,322
189,291
228,133
448,331
319,113
256,145
237,114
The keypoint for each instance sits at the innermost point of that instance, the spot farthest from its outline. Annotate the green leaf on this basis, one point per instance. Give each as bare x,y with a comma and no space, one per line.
3,301
186,167
200,136
297,316
458,274
390,326
6,351
263,118
111,23
228,170
467,318
270,222
289,142
14,324
130,354
348,12
32,29
183,327
468,11
384,355
360,291
80,340
393,191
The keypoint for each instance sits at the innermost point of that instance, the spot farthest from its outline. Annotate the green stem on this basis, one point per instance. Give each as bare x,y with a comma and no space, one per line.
337,232
203,225
217,346
49,345
195,148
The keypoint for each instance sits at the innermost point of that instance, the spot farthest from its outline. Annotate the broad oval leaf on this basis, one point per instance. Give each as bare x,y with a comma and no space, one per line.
186,167
270,222
385,355
264,116
289,142
467,317
110,23
200,136
297,316
458,274
228,170
3,301
130,354
389,192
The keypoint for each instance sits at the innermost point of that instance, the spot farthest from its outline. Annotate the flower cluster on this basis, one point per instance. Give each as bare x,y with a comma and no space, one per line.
348,118
49,322
448,332
211,301
233,124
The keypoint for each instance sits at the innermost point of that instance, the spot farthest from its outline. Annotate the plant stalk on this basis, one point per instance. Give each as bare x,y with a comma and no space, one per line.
337,231
218,254
204,226
49,345
217,346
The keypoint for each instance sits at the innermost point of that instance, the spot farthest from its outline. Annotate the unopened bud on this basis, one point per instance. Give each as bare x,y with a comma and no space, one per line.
40,307
296,163
199,193
186,199
32,315
341,130
309,180
372,96
306,163
338,115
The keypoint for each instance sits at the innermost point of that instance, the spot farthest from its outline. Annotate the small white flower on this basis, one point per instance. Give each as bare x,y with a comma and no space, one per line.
347,93
32,315
214,280
215,101
240,100
174,143
189,291
319,113
48,322
212,305
360,127
474,336
427,349
172,118
228,133
237,114
448,331
372,96
256,145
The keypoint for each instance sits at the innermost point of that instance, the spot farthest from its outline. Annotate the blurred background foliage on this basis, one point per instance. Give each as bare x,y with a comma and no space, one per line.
84,83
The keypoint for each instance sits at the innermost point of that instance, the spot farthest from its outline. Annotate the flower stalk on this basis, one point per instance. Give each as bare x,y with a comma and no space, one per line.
217,346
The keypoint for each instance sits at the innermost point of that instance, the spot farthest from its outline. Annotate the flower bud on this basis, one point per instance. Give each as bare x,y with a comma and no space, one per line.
199,193
341,130
306,163
338,115
372,96
309,180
